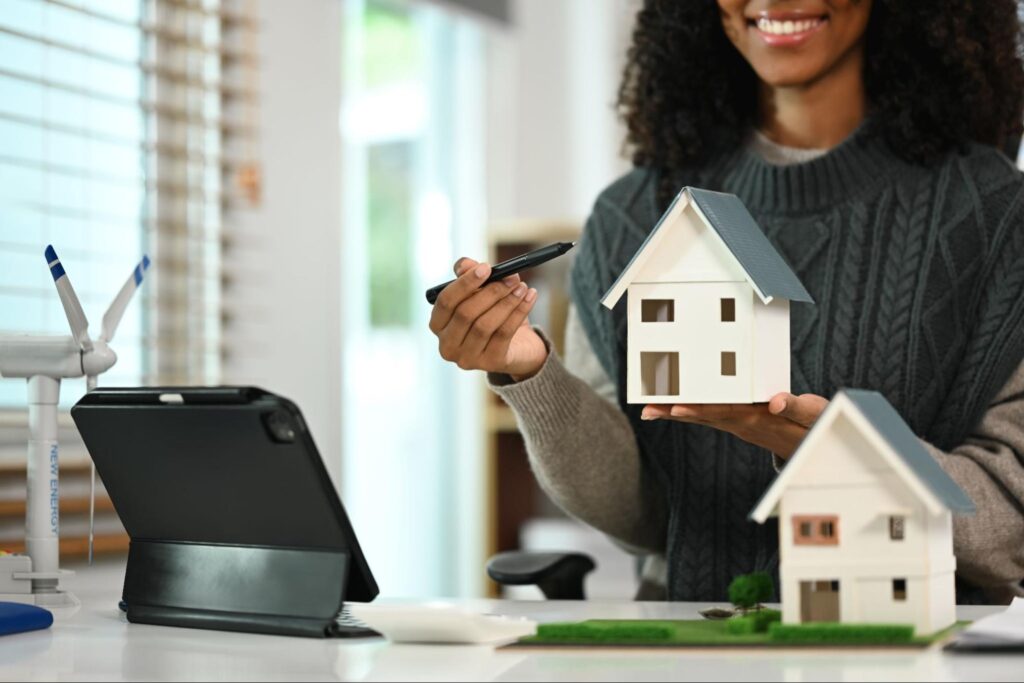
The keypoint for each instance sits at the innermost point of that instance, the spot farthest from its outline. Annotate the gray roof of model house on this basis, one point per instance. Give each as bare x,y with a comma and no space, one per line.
888,424
742,236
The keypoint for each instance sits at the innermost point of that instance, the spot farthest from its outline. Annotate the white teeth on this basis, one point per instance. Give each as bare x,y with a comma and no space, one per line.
781,28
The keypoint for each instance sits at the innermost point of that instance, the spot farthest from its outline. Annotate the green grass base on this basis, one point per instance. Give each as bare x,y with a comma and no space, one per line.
707,633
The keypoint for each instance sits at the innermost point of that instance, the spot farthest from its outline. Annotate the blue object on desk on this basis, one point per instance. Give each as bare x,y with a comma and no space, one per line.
16,618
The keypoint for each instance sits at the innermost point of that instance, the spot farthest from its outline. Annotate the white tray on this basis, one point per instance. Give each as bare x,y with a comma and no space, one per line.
440,623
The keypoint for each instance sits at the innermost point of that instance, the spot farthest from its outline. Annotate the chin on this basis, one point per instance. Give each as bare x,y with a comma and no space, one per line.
791,75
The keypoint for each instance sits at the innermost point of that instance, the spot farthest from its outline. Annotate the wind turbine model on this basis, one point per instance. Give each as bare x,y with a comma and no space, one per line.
44,361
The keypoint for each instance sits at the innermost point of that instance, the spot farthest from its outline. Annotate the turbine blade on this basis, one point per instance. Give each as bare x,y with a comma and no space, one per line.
112,318
72,306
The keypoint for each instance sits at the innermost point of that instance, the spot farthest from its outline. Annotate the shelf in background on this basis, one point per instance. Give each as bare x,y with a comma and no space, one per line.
74,506
78,546
18,469
501,418
68,506
533,231
514,497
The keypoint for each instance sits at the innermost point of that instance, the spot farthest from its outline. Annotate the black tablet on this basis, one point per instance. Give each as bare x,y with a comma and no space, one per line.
233,519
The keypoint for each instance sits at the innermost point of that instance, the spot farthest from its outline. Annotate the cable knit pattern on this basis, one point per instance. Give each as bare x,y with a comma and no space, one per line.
918,275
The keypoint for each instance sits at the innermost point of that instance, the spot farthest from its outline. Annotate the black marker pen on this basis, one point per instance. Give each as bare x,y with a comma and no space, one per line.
513,265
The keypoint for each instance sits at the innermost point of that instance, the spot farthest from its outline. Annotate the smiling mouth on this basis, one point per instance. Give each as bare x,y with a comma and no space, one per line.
783,30
789,27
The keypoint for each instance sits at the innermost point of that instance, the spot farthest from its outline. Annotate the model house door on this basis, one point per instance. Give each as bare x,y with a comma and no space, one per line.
819,601
659,373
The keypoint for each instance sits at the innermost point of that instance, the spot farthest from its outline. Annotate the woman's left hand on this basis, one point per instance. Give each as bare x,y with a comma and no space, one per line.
779,425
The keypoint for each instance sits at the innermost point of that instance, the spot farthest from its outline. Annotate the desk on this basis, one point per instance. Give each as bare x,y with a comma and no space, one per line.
98,644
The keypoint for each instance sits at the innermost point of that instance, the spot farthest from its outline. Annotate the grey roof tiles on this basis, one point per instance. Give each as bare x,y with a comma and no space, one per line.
884,418
730,219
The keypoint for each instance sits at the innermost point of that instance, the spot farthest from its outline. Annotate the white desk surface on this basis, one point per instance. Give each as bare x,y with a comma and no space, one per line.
98,644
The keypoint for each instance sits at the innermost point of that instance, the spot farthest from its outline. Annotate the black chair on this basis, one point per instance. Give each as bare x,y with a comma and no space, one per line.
559,576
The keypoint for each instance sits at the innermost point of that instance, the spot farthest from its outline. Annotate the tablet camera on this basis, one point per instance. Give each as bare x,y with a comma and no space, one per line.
280,426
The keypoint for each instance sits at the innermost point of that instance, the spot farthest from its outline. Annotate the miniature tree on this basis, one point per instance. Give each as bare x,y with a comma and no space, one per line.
750,590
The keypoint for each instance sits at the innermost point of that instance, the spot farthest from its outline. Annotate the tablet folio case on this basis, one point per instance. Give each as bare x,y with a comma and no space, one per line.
235,588
17,618
234,522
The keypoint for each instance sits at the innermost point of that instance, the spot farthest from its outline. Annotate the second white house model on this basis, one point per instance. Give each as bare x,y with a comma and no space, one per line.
865,522
708,306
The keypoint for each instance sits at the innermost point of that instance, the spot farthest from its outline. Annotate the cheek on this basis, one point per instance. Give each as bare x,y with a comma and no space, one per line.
733,20
847,5
734,34
852,16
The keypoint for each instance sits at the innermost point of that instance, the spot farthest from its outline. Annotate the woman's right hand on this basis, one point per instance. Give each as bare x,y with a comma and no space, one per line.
487,328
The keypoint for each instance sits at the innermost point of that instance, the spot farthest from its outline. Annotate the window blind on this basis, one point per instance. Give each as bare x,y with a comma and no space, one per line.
126,126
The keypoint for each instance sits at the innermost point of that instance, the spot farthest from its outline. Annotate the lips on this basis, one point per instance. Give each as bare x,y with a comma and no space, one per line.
787,29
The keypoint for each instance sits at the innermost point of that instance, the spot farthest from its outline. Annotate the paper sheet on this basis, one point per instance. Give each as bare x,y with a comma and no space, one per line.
1005,629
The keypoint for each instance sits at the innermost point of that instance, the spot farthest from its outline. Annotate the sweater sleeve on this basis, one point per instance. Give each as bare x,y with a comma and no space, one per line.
989,467
581,360
584,454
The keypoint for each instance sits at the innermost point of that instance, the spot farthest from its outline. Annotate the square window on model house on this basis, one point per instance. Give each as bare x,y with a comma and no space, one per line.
659,373
657,311
899,590
815,530
728,310
728,363
896,528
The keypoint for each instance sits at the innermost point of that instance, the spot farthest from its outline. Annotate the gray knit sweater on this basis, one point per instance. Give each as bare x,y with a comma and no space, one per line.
585,453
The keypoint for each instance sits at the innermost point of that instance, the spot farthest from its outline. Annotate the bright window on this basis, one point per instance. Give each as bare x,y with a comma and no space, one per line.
114,139
71,172
413,202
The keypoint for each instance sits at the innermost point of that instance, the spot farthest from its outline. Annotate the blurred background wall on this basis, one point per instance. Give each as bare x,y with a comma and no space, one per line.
334,157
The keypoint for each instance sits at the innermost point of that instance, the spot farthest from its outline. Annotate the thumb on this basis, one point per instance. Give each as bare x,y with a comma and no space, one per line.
803,409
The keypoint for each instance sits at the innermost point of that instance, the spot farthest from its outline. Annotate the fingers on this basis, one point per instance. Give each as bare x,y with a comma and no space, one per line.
464,287
463,264
781,439
655,411
480,333
803,409
703,413
753,423
715,412
465,315
497,347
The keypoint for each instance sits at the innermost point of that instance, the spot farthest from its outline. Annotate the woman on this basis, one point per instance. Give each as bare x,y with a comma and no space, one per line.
861,135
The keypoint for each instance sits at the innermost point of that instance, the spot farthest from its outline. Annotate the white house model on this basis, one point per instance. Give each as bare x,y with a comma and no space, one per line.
865,522
708,306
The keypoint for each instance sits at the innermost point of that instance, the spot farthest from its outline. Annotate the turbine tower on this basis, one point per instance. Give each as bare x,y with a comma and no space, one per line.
44,361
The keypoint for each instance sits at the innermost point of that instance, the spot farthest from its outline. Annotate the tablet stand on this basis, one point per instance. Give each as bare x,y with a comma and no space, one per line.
289,591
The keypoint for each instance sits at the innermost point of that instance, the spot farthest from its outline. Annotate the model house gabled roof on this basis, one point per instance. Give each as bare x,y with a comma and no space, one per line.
728,219
877,420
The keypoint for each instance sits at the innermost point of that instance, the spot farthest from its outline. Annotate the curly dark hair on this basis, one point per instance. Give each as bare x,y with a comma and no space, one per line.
938,74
